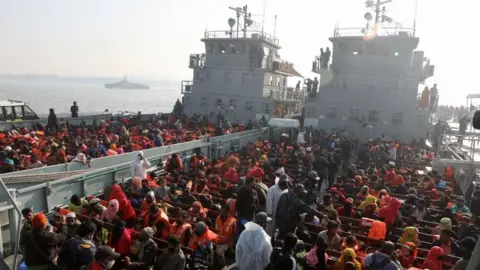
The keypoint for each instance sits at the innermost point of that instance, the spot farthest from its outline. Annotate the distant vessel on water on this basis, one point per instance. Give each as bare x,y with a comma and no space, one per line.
124,84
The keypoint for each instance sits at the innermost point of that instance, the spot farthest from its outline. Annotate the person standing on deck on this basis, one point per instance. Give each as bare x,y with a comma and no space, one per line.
74,110
139,166
273,196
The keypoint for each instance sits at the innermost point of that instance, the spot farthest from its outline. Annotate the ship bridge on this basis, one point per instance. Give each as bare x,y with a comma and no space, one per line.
241,75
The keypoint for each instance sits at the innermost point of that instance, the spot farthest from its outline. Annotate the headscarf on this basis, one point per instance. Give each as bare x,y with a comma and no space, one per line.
111,212
117,193
399,180
146,231
432,262
445,223
348,252
364,191
370,210
368,200
407,262
39,221
434,194
151,195
410,234
389,212
385,200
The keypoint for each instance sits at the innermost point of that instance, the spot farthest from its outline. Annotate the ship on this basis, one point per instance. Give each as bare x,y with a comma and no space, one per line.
124,84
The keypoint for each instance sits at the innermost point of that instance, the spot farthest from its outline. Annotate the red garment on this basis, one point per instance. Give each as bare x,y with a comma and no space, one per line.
432,262
390,176
124,243
256,173
124,204
96,266
231,176
390,211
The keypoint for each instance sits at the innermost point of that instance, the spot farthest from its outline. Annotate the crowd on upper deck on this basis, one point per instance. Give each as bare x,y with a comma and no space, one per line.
59,141
316,201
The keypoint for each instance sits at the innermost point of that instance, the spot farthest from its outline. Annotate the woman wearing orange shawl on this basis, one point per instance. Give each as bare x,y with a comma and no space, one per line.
407,255
399,180
384,198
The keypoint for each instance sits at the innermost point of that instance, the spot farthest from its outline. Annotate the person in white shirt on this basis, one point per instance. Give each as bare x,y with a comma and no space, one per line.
254,246
139,166
273,196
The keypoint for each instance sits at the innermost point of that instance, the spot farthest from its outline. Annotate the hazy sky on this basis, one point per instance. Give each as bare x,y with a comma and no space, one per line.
155,37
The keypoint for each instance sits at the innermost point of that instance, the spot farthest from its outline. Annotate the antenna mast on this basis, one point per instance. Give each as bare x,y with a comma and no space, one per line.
247,19
415,19
377,8
275,27
263,15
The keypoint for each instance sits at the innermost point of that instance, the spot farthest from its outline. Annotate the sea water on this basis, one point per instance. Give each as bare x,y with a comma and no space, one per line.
90,97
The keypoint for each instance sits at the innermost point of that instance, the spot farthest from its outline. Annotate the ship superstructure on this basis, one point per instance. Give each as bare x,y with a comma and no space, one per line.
370,87
240,75
124,84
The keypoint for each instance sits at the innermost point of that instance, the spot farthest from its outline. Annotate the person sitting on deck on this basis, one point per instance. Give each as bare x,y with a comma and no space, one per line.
124,205
110,215
448,243
197,212
410,234
181,229
407,255
148,202
459,207
331,237
433,261
145,187
348,255
158,220
202,241
382,258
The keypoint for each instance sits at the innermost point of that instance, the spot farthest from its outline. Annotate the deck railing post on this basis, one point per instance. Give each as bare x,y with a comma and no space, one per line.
14,230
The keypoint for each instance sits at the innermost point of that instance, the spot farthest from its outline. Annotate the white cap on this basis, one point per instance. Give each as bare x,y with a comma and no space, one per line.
309,149
8,148
391,163
71,215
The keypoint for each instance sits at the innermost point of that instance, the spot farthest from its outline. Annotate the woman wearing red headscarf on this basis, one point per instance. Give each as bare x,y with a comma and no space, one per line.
390,211
128,214
433,260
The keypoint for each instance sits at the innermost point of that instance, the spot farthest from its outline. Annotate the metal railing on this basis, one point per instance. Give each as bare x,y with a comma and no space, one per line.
378,31
282,93
250,34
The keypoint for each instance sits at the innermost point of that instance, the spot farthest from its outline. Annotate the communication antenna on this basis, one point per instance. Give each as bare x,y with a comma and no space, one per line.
377,8
275,27
263,15
231,23
247,18
415,19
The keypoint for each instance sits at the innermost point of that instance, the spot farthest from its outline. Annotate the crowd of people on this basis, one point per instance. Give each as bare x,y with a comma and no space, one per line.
330,203
59,142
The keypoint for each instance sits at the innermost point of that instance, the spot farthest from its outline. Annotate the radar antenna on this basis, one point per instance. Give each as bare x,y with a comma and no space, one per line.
247,19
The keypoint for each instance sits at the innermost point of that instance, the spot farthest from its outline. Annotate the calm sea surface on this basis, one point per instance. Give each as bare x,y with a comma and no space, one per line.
90,97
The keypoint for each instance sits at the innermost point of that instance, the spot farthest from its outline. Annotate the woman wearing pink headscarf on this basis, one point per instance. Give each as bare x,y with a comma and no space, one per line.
390,211
110,214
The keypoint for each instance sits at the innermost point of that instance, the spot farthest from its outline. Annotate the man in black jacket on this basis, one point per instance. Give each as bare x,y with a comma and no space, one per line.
41,243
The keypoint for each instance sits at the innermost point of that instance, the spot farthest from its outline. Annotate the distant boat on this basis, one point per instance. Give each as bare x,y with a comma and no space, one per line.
124,84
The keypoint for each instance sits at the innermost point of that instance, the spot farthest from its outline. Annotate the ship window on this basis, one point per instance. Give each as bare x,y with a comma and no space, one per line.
373,116
344,83
420,120
284,81
2,117
246,78
311,112
396,53
332,113
354,114
393,85
218,103
397,118
343,47
203,102
278,81
271,80
189,101
223,48
228,76
232,103
407,85
355,53
233,49
266,108
9,112
211,48
368,83
18,112
384,50
248,106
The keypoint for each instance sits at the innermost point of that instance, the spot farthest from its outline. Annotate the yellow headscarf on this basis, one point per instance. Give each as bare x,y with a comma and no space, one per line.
350,253
410,234
368,200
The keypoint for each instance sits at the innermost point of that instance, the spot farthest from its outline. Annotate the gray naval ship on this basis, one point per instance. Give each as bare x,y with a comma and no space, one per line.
367,88
124,84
